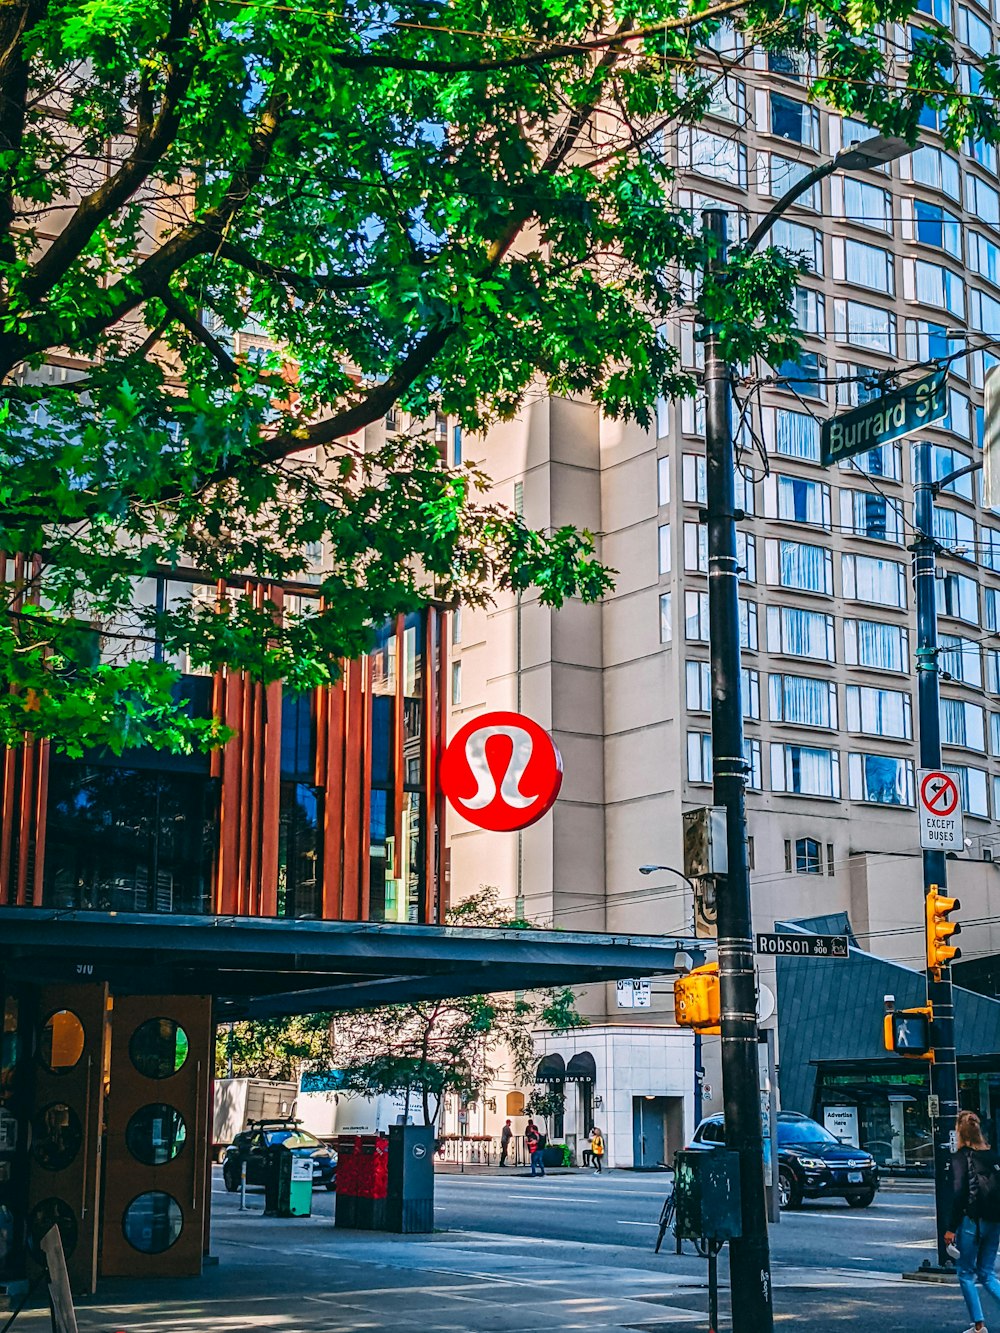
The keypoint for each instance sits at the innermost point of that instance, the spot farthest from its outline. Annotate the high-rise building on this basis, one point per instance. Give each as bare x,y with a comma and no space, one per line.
902,269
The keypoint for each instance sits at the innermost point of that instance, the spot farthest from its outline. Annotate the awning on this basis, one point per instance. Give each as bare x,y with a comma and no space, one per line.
582,1068
261,967
551,1069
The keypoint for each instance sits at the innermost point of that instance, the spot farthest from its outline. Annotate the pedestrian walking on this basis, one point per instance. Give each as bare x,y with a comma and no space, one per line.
596,1149
975,1216
506,1134
533,1142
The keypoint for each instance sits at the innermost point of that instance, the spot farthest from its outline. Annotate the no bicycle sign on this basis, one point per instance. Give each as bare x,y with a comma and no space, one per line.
940,812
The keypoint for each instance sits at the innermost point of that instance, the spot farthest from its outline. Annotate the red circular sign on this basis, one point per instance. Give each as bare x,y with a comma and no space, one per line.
501,771
939,794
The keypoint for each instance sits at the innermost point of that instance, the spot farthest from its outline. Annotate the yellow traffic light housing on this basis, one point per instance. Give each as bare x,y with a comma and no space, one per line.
940,930
696,999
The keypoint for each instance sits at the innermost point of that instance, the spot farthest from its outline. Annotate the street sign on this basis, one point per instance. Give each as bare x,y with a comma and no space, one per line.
634,993
501,771
886,418
803,946
941,827
933,1105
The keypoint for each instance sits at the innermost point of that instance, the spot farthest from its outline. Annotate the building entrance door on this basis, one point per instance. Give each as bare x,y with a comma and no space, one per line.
157,1115
648,1132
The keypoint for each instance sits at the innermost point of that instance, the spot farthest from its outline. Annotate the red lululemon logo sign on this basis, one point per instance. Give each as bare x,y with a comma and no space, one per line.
501,771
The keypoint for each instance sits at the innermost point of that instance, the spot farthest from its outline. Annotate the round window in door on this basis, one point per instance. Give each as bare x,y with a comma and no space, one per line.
56,1136
155,1134
46,1215
61,1042
152,1222
158,1048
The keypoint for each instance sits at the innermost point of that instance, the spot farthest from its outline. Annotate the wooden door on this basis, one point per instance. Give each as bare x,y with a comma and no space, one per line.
64,1170
157,1140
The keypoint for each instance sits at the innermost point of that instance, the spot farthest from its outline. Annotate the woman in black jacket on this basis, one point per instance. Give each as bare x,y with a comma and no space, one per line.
978,1238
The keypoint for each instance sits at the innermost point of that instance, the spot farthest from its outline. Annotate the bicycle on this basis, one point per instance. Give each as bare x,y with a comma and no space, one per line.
667,1214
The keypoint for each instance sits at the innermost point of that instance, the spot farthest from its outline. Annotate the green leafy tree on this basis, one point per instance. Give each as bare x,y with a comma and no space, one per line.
424,1050
436,206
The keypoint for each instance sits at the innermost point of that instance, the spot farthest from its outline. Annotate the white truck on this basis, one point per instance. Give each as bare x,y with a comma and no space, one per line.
326,1111
240,1100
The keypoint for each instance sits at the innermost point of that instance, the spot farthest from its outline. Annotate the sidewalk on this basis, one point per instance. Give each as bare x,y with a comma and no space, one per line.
304,1276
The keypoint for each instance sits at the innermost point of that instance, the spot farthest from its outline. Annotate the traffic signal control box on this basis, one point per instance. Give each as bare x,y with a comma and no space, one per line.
707,1190
940,952
696,999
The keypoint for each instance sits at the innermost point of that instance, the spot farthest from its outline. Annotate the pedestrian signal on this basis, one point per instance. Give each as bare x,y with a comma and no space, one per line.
908,1032
696,999
940,930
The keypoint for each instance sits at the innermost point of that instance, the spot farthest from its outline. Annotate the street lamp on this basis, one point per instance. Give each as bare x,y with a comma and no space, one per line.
699,1072
750,1266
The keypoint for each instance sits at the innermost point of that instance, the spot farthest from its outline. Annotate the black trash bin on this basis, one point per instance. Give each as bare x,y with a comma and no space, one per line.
410,1195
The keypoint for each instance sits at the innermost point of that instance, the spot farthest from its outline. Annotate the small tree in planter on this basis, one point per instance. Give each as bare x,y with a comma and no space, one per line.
547,1102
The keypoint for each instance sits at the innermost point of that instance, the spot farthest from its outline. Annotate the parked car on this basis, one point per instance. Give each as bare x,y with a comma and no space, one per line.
259,1135
812,1164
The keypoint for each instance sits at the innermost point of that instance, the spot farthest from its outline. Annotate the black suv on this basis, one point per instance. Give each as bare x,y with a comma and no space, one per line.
250,1147
812,1163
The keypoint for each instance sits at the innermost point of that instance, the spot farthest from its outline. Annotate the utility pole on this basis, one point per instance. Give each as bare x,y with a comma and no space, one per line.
944,1070
749,1264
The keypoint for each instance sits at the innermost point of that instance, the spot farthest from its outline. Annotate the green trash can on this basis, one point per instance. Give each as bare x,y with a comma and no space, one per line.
288,1183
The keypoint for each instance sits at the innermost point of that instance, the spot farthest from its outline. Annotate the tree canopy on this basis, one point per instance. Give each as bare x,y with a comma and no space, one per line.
438,206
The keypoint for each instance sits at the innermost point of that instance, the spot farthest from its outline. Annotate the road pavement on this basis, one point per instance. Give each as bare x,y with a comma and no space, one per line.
516,1255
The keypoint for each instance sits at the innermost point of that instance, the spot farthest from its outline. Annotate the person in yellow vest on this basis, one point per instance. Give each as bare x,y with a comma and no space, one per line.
596,1149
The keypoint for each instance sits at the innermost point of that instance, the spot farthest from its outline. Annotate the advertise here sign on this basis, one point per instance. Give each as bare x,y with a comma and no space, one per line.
940,809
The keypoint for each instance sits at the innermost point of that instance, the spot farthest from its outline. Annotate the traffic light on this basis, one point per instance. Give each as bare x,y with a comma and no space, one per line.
939,930
908,1032
696,999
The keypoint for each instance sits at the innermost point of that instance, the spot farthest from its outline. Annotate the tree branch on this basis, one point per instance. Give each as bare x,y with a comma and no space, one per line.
15,20
326,282
153,138
545,55
197,330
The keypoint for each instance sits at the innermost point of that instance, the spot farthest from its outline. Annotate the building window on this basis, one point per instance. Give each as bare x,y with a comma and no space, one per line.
877,712
456,446
989,543
456,625
992,656
984,257
810,312
803,770
974,32
805,700
693,485
778,174
300,850
934,285
696,548
864,265
971,783
935,226
392,419
750,693
880,779
808,857
666,620
440,426
944,460
699,756
804,377
663,546
958,532
963,724
984,313
797,500
699,687
796,121
868,578
870,643
866,326
751,757
886,461
982,201
800,633
958,596
991,617
868,514
663,481
717,156
799,565
749,640
799,239
863,204
791,434
746,555
456,682
696,617
930,166
959,659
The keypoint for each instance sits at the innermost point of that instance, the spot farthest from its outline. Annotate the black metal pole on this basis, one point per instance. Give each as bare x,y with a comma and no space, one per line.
944,1070
749,1267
